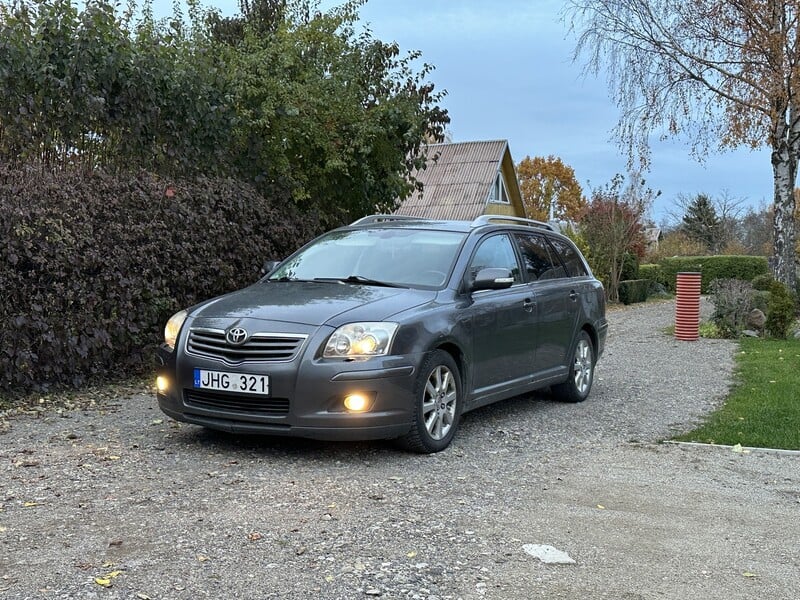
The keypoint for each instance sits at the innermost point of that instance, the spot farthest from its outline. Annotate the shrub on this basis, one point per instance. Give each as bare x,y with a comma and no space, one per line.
652,272
630,267
633,290
92,267
733,301
780,310
763,282
713,268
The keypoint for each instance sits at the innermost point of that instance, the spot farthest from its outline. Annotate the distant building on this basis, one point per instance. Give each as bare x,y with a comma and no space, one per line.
652,235
465,180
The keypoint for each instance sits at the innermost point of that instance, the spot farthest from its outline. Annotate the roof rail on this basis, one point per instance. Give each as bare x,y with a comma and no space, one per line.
384,218
487,219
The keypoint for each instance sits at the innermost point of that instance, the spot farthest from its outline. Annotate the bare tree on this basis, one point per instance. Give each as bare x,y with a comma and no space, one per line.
721,73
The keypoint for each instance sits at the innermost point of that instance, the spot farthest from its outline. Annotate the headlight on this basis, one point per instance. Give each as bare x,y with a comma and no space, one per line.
360,339
173,327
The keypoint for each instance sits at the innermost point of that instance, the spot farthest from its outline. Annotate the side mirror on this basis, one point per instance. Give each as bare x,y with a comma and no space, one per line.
492,279
269,266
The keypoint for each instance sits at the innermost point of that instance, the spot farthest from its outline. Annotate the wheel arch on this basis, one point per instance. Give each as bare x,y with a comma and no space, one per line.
592,332
455,351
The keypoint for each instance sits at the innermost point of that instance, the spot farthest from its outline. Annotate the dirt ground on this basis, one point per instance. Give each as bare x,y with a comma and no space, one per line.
118,501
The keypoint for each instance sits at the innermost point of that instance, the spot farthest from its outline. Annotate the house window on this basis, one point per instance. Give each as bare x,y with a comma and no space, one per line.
498,193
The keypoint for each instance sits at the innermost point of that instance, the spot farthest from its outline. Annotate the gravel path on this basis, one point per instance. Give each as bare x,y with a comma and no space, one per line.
122,497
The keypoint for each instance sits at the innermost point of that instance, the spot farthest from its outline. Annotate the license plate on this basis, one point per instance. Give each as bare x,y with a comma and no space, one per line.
242,383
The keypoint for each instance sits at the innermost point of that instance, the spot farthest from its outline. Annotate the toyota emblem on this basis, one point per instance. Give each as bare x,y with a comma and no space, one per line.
236,336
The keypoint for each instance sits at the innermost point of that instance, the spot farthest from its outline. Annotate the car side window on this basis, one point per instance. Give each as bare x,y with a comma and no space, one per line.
495,252
570,257
539,263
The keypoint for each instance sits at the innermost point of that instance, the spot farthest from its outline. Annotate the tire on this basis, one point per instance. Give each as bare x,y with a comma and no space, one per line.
581,372
438,403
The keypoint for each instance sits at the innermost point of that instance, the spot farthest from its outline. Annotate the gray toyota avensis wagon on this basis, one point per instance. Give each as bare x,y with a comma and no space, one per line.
392,327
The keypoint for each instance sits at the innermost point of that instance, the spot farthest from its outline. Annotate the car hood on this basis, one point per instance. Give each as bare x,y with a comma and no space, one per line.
311,303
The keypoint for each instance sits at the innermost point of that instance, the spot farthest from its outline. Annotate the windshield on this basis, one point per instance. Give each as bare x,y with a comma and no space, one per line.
406,257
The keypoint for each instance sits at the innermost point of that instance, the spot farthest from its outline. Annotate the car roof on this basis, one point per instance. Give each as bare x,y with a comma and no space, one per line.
482,222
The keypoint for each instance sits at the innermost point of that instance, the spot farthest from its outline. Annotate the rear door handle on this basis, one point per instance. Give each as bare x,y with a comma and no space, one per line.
573,295
528,305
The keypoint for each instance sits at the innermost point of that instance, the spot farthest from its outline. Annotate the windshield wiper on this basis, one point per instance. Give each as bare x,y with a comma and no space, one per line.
360,280
284,279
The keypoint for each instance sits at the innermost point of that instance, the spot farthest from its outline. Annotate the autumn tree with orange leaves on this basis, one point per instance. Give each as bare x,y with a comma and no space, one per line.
549,188
718,73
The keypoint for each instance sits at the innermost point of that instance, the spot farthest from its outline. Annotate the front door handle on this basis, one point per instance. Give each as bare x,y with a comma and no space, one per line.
573,295
528,305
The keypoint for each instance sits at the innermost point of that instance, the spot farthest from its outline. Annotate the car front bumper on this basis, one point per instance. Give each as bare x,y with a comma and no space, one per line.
306,397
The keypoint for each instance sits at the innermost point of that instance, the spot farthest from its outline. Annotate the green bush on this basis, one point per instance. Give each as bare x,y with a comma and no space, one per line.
634,290
630,267
91,267
654,273
713,267
763,282
780,310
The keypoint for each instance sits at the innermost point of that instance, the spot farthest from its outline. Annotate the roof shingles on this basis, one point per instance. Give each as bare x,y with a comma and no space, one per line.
456,181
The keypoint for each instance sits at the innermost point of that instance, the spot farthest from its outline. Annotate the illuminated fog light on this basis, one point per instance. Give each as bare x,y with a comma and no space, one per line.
356,403
162,384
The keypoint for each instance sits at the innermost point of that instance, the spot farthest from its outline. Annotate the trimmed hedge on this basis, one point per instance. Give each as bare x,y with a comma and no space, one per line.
634,290
713,267
92,266
654,273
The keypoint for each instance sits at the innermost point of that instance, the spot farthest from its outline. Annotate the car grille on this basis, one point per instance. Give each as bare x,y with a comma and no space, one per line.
236,402
260,347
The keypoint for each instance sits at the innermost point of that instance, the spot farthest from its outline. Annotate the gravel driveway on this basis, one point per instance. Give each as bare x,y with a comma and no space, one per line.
120,502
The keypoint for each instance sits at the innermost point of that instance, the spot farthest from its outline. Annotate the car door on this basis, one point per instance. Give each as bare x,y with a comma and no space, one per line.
556,306
502,321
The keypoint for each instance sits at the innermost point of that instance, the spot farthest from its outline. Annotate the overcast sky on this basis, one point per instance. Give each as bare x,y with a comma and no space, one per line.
508,71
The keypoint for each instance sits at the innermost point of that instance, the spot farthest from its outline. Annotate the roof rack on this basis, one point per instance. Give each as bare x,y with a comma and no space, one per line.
384,218
488,219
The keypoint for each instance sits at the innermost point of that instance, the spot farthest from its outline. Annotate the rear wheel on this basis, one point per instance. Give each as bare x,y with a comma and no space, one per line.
437,405
581,374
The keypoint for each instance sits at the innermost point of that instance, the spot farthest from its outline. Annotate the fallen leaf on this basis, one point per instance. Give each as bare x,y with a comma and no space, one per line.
157,422
255,536
411,554
30,504
601,507
202,558
143,596
106,580
749,574
113,457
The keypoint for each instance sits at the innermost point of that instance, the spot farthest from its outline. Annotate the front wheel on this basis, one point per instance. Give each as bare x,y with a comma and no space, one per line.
581,374
437,405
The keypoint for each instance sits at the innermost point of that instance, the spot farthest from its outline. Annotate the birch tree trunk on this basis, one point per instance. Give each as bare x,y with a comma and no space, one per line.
784,168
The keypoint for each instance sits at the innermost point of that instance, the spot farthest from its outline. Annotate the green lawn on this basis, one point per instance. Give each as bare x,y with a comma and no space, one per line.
763,409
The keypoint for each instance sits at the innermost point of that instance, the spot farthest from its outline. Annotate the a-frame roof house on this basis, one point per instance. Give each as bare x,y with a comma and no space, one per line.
464,180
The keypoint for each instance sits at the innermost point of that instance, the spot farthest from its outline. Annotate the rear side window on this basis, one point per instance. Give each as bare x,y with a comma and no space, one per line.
570,257
539,263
